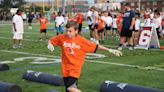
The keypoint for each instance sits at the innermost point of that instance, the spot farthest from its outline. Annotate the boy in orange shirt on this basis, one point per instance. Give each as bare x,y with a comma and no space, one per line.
43,21
80,18
101,26
74,49
100,29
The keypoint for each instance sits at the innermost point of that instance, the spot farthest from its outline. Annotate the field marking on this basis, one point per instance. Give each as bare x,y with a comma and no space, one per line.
29,32
26,53
25,23
23,39
93,61
46,41
33,67
127,65
112,46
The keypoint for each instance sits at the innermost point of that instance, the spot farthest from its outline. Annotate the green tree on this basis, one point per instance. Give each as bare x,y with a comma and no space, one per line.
6,5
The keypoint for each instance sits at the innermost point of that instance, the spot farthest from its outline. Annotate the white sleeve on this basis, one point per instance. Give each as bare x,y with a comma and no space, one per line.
14,19
88,14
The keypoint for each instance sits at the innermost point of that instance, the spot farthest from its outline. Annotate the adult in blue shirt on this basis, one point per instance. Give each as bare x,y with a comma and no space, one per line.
127,28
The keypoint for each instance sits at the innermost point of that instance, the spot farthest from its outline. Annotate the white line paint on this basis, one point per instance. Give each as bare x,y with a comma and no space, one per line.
100,62
29,32
45,41
112,46
23,39
127,65
25,53
25,23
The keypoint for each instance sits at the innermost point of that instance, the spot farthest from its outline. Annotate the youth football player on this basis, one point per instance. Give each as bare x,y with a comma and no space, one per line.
74,49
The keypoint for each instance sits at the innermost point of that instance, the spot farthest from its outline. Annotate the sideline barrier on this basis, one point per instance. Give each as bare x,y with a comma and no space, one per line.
43,78
9,87
110,86
4,67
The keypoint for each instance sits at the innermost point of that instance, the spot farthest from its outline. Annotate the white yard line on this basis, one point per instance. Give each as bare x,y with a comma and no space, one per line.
127,65
26,53
112,46
45,41
23,39
93,61
10,23
36,32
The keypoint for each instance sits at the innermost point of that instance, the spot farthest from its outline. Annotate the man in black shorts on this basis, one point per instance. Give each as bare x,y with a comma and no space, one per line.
127,28
30,18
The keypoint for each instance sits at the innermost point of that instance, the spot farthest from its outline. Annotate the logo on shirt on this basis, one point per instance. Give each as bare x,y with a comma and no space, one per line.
43,20
127,14
71,46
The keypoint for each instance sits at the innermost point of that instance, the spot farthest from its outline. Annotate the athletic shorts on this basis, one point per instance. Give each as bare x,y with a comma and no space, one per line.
43,31
18,36
158,32
126,32
135,30
59,29
90,27
108,27
114,29
70,81
80,27
95,27
100,31
30,21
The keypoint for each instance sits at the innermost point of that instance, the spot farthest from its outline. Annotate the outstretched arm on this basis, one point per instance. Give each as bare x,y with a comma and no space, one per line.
50,46
113,51
103,47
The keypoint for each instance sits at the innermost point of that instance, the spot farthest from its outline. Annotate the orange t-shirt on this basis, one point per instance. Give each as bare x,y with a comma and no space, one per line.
119,23
79,18
73,53
100,23
43,22
72,19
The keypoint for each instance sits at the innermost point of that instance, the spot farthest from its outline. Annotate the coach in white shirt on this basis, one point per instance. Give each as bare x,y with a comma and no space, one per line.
59,24
157,22
18,30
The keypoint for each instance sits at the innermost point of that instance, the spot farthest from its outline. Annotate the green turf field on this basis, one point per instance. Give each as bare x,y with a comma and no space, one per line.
138,67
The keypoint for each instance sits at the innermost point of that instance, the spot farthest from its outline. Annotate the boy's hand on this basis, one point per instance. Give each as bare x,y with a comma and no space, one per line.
50,46
115,52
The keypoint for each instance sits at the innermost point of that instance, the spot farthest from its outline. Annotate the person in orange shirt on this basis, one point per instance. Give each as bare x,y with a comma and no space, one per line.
119,22
74,49
100,28
43,21
80,18
72,19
